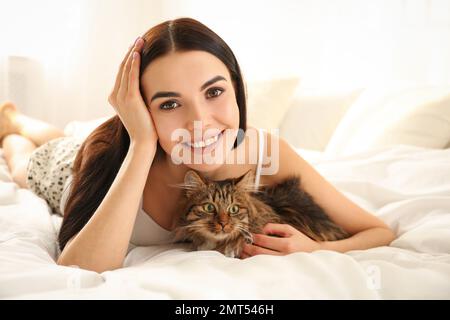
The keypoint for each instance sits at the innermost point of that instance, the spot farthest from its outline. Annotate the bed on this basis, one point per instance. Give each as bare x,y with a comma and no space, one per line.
407,186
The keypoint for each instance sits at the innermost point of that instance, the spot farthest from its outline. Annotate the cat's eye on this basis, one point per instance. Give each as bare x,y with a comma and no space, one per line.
234,209
208,207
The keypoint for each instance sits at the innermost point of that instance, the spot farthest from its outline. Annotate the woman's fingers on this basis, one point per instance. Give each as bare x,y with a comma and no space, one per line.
273,243
244,255
113,95
252,250
123,89
120,71
278,229
133,78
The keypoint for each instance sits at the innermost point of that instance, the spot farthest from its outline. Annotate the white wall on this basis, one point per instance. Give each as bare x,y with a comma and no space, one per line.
332,43
58,59
69,51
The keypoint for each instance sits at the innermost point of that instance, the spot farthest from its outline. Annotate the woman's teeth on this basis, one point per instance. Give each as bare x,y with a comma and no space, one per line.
202,144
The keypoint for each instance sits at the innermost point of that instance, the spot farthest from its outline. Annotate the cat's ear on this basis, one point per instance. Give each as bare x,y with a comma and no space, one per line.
192,181
246,181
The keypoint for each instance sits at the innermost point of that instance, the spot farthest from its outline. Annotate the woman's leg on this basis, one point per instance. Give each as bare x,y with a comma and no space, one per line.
17,150
38,131
19,136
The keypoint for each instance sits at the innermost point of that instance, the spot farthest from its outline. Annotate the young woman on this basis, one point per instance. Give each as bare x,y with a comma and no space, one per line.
178,73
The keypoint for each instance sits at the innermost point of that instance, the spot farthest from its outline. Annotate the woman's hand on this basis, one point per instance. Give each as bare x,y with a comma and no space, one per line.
290,240
127,100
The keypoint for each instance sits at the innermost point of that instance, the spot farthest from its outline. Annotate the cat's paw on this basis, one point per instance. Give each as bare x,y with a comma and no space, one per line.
230,253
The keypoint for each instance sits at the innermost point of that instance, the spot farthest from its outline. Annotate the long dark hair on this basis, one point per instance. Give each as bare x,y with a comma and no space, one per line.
102,153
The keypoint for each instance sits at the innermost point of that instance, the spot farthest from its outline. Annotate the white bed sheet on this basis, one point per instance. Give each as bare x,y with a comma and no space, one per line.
407,187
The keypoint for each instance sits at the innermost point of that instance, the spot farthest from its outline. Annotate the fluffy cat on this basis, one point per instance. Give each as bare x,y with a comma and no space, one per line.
221,215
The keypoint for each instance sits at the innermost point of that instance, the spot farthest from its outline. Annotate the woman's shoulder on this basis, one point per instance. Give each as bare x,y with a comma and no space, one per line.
279,158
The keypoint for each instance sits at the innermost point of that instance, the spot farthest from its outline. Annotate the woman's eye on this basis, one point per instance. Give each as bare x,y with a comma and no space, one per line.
234,209
168,105
208,207
214,92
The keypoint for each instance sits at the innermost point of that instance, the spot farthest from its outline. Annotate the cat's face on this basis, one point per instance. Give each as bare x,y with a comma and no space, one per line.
218,209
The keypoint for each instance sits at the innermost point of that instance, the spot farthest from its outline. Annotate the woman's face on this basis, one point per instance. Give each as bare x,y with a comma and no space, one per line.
191,98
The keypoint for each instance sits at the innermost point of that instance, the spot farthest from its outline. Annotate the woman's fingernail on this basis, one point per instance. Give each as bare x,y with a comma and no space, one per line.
135,43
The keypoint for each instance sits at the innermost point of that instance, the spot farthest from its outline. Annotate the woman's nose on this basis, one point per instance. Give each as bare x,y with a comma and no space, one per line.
198,117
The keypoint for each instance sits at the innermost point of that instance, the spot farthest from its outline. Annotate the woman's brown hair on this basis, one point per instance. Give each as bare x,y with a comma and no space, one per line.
102,153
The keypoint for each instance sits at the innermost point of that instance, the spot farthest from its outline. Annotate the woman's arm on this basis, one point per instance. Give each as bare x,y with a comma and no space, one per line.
103,242
366,230
366,239
292,240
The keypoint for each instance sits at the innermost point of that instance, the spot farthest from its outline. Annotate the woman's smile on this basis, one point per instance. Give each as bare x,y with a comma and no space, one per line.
204,147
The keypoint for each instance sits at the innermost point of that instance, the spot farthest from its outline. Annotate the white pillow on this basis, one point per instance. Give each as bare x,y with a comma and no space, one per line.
268,101
417,116
314,115
82,129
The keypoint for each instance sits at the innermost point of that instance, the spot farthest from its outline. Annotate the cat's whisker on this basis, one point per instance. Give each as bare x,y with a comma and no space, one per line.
191,227
176,184
243,228
247,234
185,186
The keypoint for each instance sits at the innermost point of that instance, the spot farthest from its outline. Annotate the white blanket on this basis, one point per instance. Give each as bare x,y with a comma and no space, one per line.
407,187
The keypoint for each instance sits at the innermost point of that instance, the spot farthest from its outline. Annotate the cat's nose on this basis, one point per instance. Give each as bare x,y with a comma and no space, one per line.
223,224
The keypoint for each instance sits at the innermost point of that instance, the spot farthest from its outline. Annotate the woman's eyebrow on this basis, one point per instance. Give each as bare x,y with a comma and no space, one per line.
165,94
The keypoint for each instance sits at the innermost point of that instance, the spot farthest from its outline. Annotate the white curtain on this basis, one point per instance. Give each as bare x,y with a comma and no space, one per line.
58,59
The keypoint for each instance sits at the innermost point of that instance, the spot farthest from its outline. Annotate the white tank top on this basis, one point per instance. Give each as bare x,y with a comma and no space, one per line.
146,231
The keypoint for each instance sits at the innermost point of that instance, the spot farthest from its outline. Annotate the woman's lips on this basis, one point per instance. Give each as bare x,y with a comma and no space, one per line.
206,149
